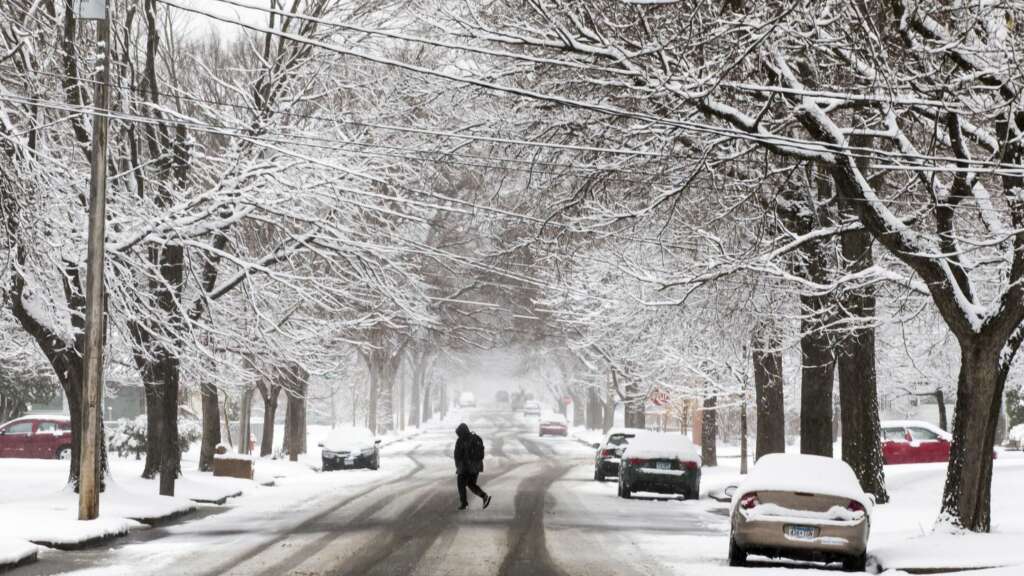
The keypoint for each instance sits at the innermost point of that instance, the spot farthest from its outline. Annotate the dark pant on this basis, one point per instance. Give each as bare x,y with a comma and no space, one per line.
469,481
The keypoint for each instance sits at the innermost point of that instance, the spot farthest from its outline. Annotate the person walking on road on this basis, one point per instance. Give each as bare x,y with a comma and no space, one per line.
469,463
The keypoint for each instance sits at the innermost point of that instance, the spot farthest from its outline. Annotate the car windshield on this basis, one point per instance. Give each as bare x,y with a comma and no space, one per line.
619,439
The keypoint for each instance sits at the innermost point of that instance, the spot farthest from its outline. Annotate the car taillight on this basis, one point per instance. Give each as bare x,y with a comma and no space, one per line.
635,461
689,465
607,453
855,506
749,501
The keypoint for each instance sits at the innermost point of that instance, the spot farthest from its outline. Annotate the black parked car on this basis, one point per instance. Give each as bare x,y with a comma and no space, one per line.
662,463
350,447
606,461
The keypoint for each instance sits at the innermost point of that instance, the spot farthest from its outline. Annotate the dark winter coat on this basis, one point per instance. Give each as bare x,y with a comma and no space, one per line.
463,463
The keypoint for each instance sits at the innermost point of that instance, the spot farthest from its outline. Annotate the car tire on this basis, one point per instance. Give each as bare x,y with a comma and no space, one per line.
856,563
375,463
325,468
597,475
63,453
624,492
737,557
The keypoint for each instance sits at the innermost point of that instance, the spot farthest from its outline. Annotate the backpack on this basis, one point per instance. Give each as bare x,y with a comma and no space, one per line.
476,449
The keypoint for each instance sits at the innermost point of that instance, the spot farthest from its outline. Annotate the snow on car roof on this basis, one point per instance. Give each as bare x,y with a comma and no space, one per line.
802,473
657,445
347,437
915,424
554,418
46,417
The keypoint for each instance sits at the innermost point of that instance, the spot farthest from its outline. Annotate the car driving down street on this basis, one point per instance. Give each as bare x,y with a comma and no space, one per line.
553,425
662,463
350,447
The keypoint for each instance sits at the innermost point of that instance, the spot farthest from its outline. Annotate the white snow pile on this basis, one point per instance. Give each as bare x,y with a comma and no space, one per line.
658,446
348,439
1016,434
953,552
803,473
13,551
770,511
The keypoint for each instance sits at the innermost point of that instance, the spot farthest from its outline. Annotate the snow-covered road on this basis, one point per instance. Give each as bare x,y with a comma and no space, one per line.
548,516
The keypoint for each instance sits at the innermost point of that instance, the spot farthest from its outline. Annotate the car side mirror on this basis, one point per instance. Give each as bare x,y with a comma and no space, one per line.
376,441
730,490
319,444
595,445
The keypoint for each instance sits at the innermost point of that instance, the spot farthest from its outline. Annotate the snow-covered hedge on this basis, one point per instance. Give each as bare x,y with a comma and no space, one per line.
128,436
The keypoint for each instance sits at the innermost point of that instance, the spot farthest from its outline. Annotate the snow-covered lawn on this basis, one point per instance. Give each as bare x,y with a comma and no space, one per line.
36,493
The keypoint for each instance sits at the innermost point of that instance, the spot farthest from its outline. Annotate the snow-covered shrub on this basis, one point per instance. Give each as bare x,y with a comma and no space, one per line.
128,437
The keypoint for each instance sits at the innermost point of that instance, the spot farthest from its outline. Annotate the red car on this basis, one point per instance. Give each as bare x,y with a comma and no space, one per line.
554,425
36,437
911,442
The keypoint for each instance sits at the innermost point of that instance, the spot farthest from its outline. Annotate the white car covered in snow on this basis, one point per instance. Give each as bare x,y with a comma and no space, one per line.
802,507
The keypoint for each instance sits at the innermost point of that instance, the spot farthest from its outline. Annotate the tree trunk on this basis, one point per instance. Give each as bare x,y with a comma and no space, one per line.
374,392
940,400
817,375
154,429
270,393
170,459
858,398
419,370
295,415
579,412
633,407
428,408
743,431
709,432
211,425
244,420
966,498
227,420
768,389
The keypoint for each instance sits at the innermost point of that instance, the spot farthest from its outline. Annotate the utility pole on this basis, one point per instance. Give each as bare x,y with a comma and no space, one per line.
88,479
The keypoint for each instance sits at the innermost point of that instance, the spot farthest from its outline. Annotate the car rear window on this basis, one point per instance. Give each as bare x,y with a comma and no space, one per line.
923,434
894,434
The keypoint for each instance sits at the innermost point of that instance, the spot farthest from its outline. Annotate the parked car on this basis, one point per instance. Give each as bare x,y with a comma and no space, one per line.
36,437
663,463
531,408
554,425
467,400
911,441
350,447
802,507
501,397
609,451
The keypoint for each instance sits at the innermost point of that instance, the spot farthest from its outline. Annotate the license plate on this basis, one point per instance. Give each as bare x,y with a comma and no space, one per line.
801,532
664,465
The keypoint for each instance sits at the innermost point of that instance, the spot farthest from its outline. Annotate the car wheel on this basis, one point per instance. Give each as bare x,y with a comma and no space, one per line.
737,557
64,453
597,475
624,492
856,563
375,465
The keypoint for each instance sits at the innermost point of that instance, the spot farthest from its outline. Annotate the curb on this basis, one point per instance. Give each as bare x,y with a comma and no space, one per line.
30,559
81,544
940,570
218,501
160,520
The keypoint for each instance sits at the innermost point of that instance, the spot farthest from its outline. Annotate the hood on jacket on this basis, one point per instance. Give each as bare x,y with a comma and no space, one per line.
462,430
